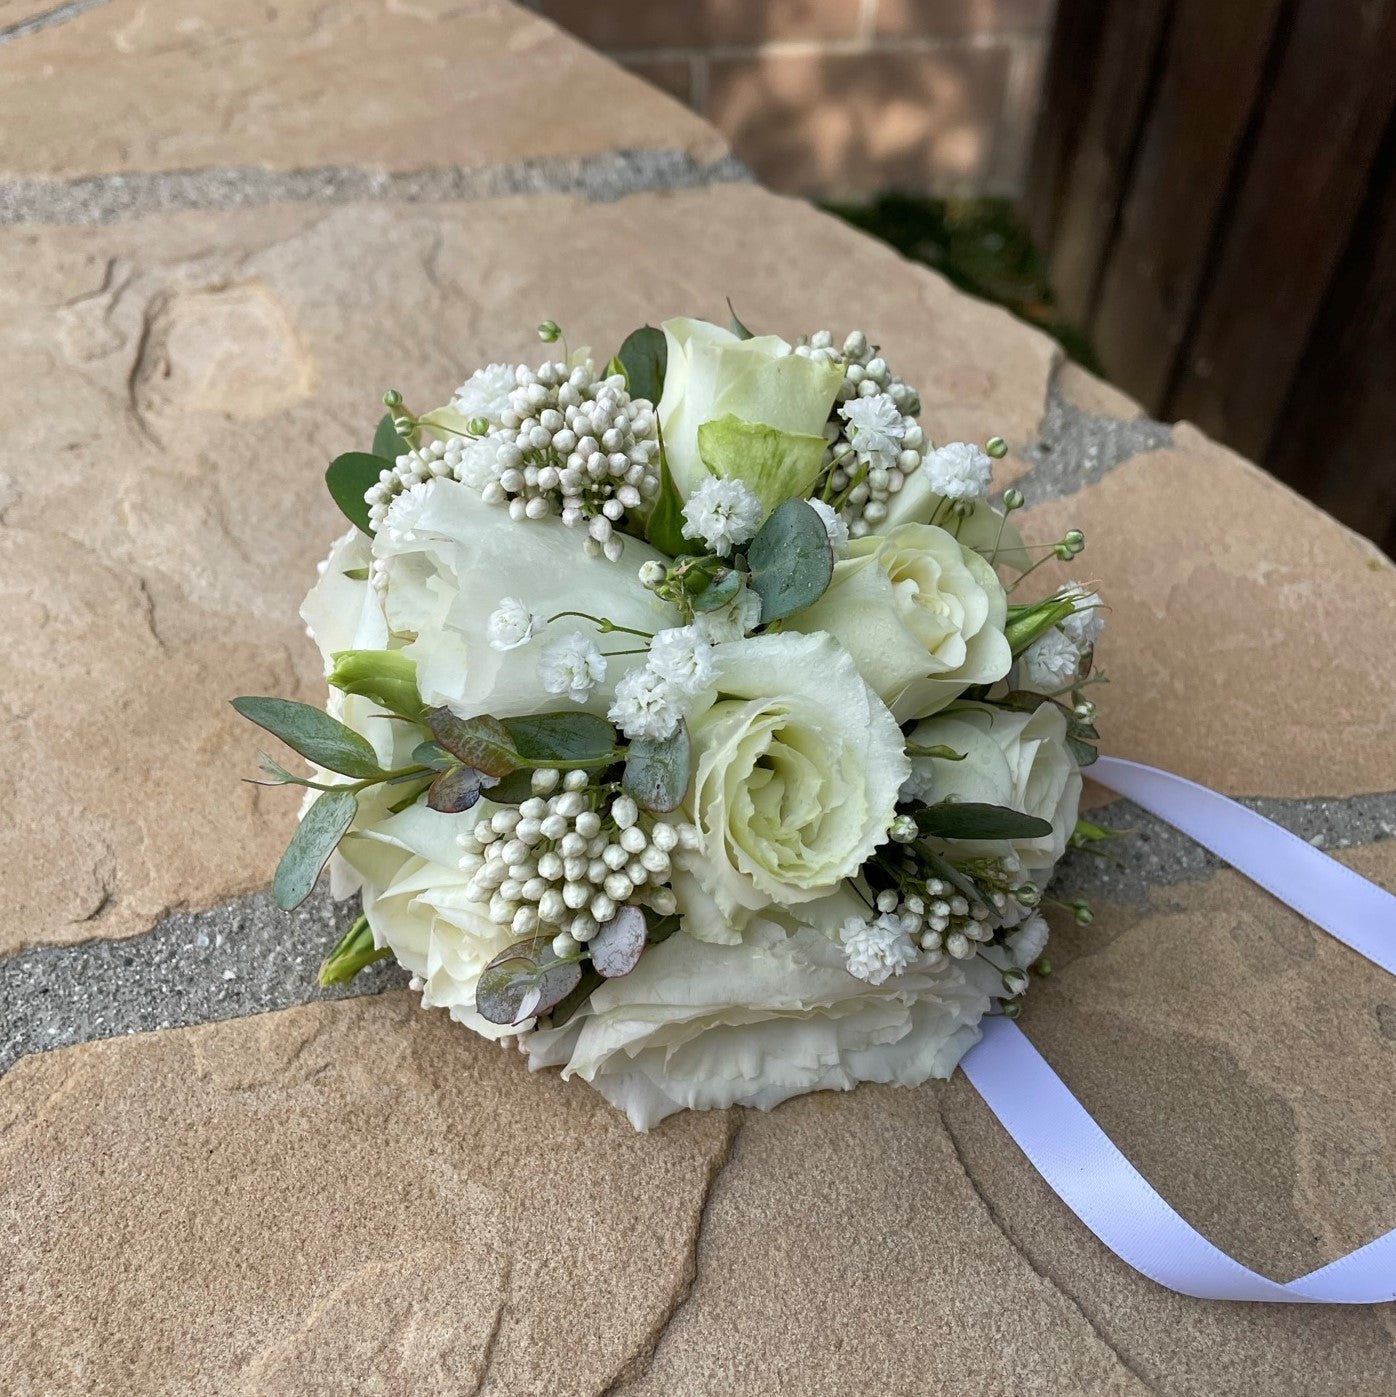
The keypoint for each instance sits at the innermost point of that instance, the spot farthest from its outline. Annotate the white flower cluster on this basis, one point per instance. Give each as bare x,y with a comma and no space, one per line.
723,513
559,863
569,442
1053,661
650,700
874,440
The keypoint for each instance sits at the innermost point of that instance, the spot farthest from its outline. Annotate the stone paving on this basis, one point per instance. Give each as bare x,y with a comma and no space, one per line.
216,1177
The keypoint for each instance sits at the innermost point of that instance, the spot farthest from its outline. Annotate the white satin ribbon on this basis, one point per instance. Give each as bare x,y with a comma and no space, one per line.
1079,1160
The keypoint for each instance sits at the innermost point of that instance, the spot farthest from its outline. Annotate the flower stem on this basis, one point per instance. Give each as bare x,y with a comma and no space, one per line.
602,624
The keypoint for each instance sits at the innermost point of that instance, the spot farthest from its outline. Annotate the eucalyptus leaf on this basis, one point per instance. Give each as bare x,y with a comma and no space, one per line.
562,739
973,820
278,773
513,789
722,589
386,442
775,465
354,952
524,980
314,734
616,948
349,479
482,742
457,789
312,844
570,1003
791,561
665,527
645,358
657,771
432,754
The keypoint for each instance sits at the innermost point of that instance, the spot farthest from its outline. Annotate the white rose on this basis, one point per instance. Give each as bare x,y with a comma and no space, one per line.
698,1026
711,372
921,614
796,770
985,529
451,561
415,902
1018,760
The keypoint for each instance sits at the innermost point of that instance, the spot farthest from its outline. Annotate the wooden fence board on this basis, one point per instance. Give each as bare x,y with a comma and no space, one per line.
1215,58
1117,75
1322,121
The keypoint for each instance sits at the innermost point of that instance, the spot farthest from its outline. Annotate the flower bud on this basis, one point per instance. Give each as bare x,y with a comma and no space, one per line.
903,829
652,574
392,398
1013,498
387,677
996,447
477,427
548,332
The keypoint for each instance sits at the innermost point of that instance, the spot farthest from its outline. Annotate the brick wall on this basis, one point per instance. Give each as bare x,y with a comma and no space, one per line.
843,97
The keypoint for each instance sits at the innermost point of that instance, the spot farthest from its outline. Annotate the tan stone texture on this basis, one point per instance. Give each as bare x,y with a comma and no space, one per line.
1249,641
376,84
183,380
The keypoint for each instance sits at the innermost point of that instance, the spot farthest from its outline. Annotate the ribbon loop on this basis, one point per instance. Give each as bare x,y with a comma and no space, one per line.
1084,1166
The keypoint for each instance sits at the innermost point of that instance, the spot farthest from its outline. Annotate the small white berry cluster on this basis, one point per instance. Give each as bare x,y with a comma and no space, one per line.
428,462
874,439
574,444
566,859
941,920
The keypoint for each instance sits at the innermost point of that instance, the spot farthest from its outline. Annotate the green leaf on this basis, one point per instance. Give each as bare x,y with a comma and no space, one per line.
356,574
972,820
1082,753
615,367
513,789
791,561
563,740
1030,621
665,528
570,1003
349,478
278,773
735,324
657,772
945,754
388,677
432,754
354,952
645,357
457,789
525,980
314,734
311,846
616,948
941,867
723,588
777,466
387,443
482,742
661,927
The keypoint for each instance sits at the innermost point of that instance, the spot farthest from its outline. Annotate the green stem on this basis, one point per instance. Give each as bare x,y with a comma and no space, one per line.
602,624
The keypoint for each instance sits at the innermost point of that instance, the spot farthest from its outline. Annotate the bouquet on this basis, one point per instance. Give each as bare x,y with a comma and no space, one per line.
686,723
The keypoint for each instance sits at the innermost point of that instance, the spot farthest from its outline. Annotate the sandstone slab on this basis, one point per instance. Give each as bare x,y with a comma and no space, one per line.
1249,643
183,381
341,1197
402,85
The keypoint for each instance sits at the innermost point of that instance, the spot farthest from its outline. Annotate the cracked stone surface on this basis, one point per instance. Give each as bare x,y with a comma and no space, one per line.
211,265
